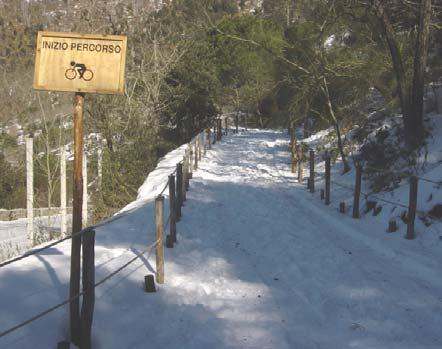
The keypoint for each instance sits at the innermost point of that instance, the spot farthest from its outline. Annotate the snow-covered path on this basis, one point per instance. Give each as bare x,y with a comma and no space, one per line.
279,270
260,263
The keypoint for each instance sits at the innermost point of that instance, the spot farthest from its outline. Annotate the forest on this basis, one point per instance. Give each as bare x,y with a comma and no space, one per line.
284,63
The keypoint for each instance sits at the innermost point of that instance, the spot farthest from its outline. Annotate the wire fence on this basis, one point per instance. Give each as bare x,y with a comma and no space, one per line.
67,301
39,250
163,225
367,195
403,172
299,148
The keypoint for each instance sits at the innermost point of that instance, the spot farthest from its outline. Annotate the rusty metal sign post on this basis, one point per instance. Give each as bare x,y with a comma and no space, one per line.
79,63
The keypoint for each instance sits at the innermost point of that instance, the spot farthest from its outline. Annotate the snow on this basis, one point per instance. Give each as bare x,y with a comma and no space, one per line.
13,234
260,263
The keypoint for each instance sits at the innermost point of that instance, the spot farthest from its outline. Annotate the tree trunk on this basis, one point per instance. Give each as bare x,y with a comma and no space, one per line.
341,148
335,124
411,97
416,125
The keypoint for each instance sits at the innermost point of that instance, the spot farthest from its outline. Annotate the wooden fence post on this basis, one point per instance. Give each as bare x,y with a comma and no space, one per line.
300,160
219,129
327,179
173,207
226,127
214,133
189,162
412,205
357,194
342,207
63,201
179,189
30,189
88,276
312,171
77,194
236,123
159,228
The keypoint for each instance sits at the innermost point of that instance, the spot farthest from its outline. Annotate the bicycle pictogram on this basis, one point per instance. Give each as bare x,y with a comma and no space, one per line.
80,70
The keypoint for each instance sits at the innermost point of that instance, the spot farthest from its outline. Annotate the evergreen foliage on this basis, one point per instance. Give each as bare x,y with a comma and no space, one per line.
283,62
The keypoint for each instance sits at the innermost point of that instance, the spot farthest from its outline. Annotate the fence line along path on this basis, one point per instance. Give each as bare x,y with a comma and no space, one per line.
258,261
36,318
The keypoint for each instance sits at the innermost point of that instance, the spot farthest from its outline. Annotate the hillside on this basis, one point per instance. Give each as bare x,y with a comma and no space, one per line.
260,263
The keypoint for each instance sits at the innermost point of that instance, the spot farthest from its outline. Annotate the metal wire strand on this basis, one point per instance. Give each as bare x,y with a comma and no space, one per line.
109,276
41,249
80,233
67,301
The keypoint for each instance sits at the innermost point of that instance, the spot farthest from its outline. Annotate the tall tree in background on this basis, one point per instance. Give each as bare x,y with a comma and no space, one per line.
410,87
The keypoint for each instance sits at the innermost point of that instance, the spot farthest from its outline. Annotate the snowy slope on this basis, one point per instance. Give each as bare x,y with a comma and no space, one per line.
260,263
394,202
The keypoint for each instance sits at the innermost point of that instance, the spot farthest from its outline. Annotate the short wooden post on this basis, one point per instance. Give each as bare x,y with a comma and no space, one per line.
327,179
30,189
312,171
159,228
88,276
179,189
357,194
149,284
300,160
172,206
226,127
371,205
236,123
392,226
63,201
219,129
342,207
412,205
215,136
